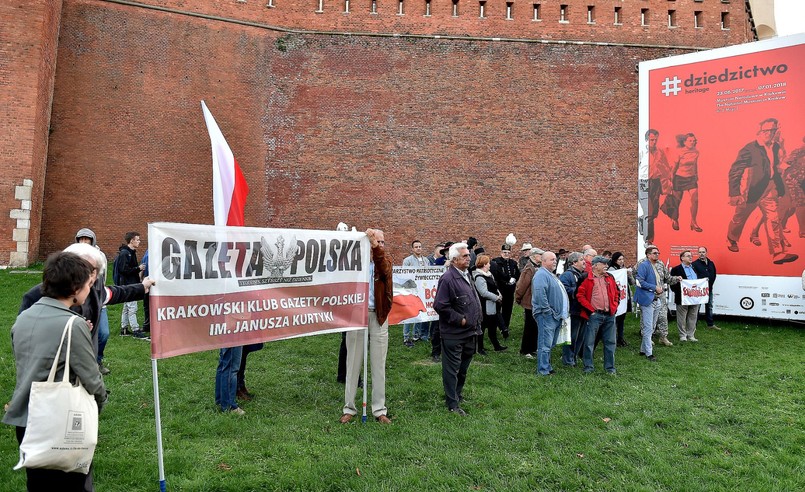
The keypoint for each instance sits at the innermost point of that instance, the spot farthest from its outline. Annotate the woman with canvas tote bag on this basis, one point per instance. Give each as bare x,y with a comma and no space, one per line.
35,337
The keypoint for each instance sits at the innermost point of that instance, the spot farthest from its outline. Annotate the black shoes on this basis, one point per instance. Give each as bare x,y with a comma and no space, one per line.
459,411
501,348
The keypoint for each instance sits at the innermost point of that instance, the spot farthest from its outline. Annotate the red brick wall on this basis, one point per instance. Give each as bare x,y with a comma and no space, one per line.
28,44
431,139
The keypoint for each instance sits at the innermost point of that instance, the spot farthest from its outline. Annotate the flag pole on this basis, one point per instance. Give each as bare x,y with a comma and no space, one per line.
158,418
365,364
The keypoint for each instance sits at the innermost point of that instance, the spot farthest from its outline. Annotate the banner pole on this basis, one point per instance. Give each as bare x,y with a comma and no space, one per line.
365,364
158,418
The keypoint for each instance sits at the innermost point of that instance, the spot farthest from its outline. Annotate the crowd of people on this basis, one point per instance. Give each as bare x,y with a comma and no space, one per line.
571,291
570,298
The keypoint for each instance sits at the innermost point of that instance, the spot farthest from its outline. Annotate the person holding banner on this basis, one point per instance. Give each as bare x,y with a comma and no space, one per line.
617,262
598,295
686,316
705,267
380,298
460,317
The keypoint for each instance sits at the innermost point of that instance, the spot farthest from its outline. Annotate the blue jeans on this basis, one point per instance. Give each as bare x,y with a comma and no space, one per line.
422,330
226,378
103,333
606,324
407,329
546,339
576,347
648,320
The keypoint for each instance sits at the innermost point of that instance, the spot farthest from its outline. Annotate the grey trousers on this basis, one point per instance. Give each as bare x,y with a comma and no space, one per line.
378,348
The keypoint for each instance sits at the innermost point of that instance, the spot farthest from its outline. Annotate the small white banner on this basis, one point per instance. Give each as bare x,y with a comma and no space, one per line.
694,292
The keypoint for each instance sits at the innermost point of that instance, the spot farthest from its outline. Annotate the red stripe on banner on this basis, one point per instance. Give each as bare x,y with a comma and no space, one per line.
237,207
187,324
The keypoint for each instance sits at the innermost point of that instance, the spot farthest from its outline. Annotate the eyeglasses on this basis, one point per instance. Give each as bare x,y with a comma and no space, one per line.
654,253
770,130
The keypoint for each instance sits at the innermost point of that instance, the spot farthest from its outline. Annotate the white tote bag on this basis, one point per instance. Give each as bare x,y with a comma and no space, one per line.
62,428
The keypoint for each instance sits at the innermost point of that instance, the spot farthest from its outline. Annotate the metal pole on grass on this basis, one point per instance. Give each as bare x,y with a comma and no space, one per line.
158,418
365,364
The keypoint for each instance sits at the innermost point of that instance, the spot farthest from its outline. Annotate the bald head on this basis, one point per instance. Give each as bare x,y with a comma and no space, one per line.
549,260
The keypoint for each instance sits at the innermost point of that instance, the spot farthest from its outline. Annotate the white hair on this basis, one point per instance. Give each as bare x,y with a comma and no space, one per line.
452,253
90,253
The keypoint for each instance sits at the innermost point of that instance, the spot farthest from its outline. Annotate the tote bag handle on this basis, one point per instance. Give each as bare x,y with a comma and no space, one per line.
68,329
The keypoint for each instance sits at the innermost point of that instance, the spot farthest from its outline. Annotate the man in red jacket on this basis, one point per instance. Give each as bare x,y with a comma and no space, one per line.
380,297
599,296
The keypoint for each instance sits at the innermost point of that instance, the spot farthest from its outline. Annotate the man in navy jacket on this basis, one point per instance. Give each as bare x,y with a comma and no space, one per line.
460,317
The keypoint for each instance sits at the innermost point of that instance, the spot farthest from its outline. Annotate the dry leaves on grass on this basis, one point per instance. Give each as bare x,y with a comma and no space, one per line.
606,420
580,455
358,471
223,466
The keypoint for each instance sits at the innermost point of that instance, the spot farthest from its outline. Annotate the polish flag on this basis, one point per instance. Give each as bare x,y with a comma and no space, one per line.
229,188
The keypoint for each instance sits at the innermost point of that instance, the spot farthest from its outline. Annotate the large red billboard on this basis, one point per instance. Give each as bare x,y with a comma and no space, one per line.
722,139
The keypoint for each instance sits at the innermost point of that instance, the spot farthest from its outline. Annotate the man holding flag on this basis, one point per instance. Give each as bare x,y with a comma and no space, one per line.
229,191
381,294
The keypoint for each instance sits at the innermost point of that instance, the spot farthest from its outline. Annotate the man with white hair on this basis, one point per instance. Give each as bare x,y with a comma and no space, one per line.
550,305
379,305
460,317
100,295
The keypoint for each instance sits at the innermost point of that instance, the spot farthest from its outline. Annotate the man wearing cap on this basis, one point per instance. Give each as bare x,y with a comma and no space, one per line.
524,254
598,295
549,305
506,273
522,295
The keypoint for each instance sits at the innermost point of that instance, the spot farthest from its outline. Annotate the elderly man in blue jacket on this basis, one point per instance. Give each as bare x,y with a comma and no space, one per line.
549,305
460,319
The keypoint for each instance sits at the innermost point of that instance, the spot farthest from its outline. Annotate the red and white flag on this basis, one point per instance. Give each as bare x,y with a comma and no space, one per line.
229,188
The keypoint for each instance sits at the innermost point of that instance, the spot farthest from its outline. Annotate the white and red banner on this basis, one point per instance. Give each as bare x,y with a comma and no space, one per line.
622,279
414,292
694,292
220,286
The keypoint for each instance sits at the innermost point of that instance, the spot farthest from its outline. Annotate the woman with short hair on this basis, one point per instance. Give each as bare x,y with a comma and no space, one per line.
491,298
35,338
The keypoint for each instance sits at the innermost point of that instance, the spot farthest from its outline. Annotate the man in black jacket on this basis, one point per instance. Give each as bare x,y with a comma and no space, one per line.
127,272
506,273
705,267
460,319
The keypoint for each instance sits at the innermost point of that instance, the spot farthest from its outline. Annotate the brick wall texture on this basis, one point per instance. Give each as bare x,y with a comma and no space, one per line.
28,41
426,138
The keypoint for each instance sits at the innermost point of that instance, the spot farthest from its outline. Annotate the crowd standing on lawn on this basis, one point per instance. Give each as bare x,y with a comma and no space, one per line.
573,304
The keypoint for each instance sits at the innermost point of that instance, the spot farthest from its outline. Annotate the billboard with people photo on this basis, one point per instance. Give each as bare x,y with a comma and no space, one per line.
722,167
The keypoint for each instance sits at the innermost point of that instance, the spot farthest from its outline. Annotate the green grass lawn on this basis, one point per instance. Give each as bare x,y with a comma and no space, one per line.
723,414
